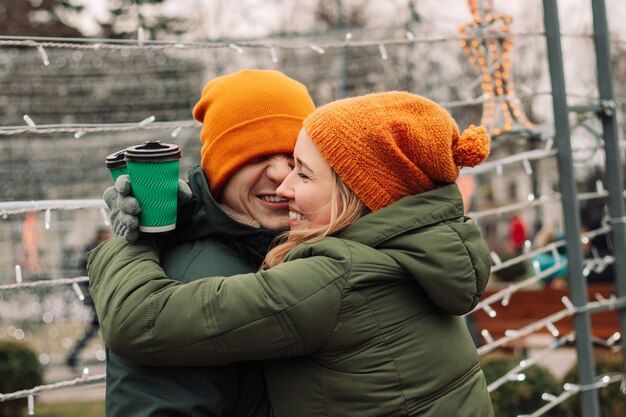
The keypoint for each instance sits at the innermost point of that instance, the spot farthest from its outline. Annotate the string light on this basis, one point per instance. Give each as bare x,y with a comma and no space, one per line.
78,291
274,55
383,52
43,55
140,36
176,131
18,274
495,258
94,128
552,329
105,216
568,304
146,121
490,311
29,121
316,48
236,48
47,219
486,335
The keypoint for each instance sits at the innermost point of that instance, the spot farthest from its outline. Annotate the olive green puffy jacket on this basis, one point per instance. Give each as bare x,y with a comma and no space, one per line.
362,324
207,242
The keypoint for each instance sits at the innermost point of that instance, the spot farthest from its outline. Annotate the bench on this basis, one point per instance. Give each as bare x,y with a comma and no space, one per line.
528,306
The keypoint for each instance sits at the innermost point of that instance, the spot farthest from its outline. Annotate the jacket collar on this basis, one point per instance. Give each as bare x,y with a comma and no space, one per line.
409,213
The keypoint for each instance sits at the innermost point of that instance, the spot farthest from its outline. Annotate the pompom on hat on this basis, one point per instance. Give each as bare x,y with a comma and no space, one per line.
386,146
247,115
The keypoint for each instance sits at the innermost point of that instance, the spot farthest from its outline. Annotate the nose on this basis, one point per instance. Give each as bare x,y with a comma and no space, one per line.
279,168
285,189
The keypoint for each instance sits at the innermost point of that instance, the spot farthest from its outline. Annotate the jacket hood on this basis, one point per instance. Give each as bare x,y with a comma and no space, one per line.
429,237
202,218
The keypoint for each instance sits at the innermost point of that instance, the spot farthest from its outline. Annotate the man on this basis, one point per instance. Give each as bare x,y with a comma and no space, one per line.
251,120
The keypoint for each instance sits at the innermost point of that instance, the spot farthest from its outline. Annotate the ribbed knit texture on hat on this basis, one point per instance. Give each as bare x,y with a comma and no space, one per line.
386,146
247,115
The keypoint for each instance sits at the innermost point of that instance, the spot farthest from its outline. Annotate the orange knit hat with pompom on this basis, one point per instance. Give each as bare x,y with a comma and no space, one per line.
247,115
386,146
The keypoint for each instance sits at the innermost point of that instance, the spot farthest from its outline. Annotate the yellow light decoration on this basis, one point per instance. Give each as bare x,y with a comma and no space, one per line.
488,44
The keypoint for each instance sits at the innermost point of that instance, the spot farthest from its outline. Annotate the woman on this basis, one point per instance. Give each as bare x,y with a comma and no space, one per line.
356,312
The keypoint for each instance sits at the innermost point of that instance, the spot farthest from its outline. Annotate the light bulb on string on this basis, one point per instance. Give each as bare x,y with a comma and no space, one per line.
495,258
511,333
490,311
517,377
140,36
486,335
549,397
176,131
552,329
29,121
527,167
147,121
43,55
317,48
18,274
47,219
236,48
105,217
506,298
383,51
78,291
274,55
568,304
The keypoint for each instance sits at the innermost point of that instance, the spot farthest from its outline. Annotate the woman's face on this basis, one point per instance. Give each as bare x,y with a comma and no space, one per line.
309,187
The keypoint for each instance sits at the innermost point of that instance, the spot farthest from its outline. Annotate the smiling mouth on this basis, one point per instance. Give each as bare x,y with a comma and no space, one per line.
296,216
273,199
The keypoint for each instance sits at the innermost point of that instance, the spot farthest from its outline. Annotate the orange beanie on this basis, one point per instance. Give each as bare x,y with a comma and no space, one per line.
386,146
247,115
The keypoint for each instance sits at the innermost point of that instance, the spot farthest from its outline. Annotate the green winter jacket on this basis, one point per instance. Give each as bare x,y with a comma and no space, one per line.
211,244
362,324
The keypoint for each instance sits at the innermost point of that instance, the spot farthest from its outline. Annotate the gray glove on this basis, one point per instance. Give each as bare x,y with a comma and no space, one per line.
125,208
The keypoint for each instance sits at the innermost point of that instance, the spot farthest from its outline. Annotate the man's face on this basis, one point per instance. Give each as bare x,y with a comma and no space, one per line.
252,191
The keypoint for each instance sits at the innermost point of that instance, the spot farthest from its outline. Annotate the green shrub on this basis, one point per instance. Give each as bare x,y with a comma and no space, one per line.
519,397
612,400
19,369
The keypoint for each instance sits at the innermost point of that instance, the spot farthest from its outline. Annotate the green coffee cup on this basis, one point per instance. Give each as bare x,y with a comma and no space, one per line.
116,164
153,170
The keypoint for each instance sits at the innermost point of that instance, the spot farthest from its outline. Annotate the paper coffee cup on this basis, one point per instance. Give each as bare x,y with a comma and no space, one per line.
116,164
153,170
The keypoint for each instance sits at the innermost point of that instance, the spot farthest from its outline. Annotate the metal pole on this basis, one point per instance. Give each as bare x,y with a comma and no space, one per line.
612,150
343,54
571,212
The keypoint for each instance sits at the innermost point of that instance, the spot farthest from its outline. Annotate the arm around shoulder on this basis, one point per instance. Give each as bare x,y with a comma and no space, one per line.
287,311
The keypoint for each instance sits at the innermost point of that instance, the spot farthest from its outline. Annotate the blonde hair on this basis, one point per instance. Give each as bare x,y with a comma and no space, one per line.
346,208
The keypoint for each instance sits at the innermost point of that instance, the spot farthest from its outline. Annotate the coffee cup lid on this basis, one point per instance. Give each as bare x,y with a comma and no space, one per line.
116,160
153,151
